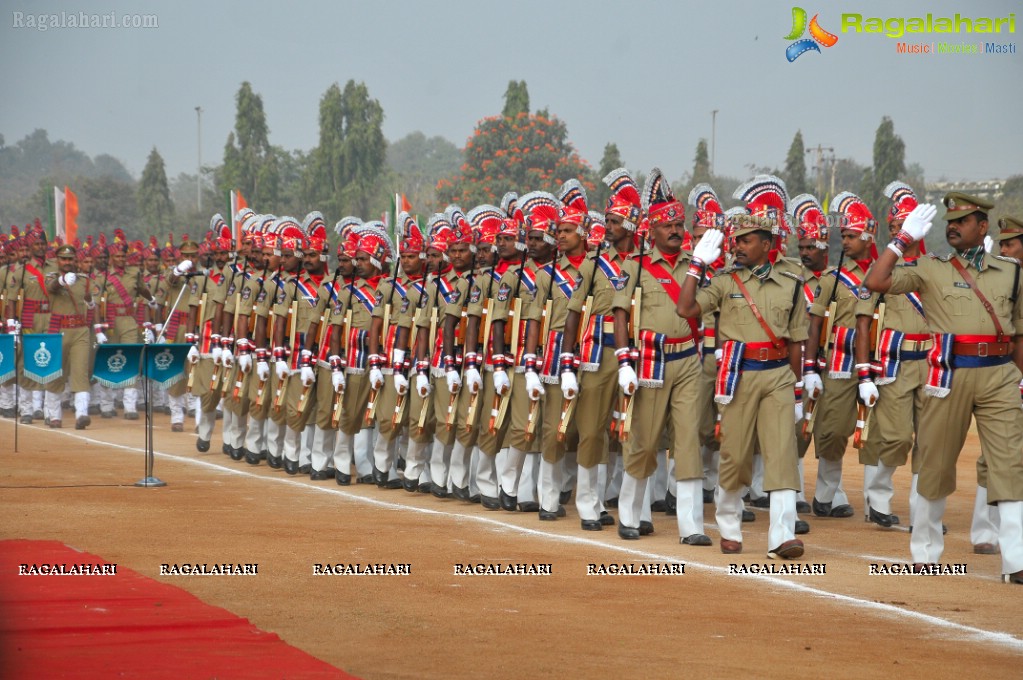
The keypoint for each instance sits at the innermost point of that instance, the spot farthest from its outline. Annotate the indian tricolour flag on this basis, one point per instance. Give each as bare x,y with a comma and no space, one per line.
237,204
63,216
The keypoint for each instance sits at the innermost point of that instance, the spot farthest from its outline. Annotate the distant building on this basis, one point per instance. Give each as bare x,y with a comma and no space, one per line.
990,189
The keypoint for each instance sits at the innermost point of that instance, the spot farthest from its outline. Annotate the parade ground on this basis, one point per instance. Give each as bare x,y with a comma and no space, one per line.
443,599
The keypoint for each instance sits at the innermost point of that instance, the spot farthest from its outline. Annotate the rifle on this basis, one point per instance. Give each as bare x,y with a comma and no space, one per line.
217,372
862,410
430,343
282,385
241,379
371,405
822,345
484,346
625,410
545,322
511,327
199,314
568,405
270,323
460,334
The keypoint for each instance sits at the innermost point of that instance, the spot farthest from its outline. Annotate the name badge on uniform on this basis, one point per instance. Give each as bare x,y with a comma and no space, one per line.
863,294
961,284
737,296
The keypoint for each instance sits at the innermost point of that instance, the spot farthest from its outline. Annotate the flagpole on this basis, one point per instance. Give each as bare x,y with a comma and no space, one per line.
149,480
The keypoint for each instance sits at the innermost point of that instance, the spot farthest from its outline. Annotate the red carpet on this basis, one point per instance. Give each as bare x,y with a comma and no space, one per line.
127,626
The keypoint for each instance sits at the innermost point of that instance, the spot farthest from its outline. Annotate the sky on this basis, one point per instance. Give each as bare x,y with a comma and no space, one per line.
644,74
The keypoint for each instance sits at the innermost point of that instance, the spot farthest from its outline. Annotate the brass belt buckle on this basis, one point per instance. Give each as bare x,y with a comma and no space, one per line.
764,353
982,349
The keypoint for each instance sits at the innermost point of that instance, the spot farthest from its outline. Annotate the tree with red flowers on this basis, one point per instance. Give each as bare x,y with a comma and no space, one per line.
521,153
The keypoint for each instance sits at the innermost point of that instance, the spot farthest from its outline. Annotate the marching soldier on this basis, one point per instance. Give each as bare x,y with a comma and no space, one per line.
761,326
70,296
973,308
668,374
835,302
176,296
26,283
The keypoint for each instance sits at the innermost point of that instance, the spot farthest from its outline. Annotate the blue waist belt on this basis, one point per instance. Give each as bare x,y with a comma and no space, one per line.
754,365
674,356
913,356
961,361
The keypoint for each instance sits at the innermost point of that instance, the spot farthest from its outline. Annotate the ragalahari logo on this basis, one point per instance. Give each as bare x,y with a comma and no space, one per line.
818,36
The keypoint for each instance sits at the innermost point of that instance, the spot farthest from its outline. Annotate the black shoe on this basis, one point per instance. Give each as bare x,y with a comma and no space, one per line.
409,485
82,423
6,412
131,415
842,511
439,491
342,478
696,539
548,516
107,415
239,453
879,518
646,528
529,506
606,519
365,479
475,498
461,493
379,478
202,445
748,515
38,415
708,496
306,469
670,505
762,503
319,475
658,506
803,508
393,484
490,503
400,464
253,458
291,466
274,462
425,487
592,525
118,404
93,409
628,533
565,497
611,502
26,420
821,509
802,527
507,502
225,449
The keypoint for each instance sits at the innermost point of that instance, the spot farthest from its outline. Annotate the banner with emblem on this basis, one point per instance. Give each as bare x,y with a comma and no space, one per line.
7,366
43,356
117,365
165,364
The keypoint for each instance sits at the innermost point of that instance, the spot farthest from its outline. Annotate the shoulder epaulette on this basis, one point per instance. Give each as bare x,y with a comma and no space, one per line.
1007,259
793,276
941,258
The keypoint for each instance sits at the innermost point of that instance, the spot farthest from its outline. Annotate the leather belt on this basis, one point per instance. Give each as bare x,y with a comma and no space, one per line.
982,349
68,320
765,352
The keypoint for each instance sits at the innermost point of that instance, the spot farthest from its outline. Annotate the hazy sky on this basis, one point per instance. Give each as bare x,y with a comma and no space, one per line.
644,74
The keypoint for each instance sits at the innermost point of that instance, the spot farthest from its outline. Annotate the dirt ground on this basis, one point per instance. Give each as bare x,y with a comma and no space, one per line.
76,487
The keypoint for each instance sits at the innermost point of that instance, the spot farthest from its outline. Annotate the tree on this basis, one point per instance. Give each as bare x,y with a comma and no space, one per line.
516,99
611,160
701,164
889,165
418,163
524,153
795,167
153,196
249,162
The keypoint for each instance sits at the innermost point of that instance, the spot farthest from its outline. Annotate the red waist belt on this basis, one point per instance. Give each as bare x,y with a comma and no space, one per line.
765,351
65,321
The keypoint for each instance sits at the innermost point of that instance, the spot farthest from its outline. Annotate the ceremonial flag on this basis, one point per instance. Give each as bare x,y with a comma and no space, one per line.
63,216
165,364
43,356
70,216
238,202
117,365
56,224
7,369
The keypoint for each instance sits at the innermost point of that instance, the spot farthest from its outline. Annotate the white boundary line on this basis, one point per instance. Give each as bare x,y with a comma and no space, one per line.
971,633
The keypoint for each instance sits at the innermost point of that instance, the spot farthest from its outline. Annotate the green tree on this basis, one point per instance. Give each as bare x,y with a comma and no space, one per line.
611,159
418,163
889,165
153,196
249,162
701,164
795,167
524,153
516,99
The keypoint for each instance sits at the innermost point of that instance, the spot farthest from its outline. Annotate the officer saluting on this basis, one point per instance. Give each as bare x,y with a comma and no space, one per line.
972,303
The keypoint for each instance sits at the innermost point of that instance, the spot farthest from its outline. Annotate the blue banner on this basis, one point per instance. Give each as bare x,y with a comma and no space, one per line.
43,356
7,365
165,364
118,365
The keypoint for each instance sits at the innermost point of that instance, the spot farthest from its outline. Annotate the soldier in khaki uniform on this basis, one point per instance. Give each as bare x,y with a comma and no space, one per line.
175,295
834,386
27,283
70,296
597,381
973,307
761,327
1010,237
668,371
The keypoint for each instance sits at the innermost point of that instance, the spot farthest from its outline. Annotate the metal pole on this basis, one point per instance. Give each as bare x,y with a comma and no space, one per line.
149,480
198,144
713,135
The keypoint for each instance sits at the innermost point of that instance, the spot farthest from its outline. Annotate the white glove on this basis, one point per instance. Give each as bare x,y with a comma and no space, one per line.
245,362
799,411
709,247
989,243
473,380
423,385
67,280
812,385
193,355
101,338
534,388
282,369
13,326
376,378
227,358
400,383
719,354
868,393
627,379
157,328
182,268
215,349
263,370
147,336
569,385
454,381
337,379
918,223
308,376
501,383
